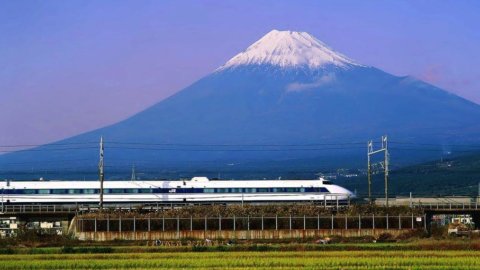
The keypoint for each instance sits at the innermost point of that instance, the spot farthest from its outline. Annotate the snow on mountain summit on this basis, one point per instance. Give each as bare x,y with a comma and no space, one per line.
289,49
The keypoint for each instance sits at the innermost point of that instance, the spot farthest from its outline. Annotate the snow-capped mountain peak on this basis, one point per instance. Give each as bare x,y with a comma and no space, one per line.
289,49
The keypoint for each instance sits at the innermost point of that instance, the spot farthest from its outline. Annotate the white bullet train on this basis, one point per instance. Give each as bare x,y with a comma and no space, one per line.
196,190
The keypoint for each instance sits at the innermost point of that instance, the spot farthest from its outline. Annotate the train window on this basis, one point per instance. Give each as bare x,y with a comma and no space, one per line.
263,190
131,190
29,191
58,191
302,189
44,191
116,190
145,190
209,190
222,190
159,190
89,191
74,191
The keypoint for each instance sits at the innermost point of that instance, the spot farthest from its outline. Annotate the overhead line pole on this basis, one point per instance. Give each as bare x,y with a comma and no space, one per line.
101,175
386,161
385,146
369,170
134,177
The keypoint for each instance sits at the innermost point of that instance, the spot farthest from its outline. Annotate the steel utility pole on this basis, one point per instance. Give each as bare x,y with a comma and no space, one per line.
134,177
385,146
101,175
386,160
369,170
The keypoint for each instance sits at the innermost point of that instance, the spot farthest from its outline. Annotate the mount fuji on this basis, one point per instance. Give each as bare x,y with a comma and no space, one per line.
292,95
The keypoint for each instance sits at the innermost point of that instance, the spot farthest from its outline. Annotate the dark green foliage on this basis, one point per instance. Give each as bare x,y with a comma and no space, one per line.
7,251
83,250
199,248
446,177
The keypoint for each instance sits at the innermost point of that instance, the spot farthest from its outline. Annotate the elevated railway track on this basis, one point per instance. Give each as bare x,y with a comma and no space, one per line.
424,208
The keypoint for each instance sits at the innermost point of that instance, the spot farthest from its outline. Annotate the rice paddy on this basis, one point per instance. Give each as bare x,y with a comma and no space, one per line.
377,259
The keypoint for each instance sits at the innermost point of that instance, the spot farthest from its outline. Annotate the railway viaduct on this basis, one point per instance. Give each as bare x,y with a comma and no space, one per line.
338,224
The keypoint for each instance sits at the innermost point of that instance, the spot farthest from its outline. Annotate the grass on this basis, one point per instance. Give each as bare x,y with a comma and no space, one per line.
452,253
424,259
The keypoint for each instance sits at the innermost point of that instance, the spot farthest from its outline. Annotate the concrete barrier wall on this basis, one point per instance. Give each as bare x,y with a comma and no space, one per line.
239,234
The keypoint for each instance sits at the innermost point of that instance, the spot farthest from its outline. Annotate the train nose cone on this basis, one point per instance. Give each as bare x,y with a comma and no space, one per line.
348,193
351,194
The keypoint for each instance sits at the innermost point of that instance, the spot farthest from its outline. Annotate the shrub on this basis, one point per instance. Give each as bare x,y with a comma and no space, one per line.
67,250
199,248
259,248
7,251
385,237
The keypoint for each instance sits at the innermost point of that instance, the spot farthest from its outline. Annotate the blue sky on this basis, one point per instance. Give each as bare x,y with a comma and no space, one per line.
67,67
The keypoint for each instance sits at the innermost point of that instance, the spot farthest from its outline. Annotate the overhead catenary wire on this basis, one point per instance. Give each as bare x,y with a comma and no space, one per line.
436,150
124,145
436,144
235,144
46,144
233,150
182,144
238,145
181,147
47,149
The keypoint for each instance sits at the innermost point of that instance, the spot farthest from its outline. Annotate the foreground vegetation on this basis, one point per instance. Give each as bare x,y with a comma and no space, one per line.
452,253
250,260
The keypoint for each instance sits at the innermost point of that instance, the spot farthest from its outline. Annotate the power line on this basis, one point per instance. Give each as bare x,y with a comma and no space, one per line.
437,144
234,150
237,145
45,161
234,145
183,144
435,150
48,144
47,149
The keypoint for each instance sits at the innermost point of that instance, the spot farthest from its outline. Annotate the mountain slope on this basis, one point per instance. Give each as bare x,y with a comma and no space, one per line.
286,89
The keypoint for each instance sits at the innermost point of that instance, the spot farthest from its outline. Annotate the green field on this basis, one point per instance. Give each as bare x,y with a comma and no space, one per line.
421,259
